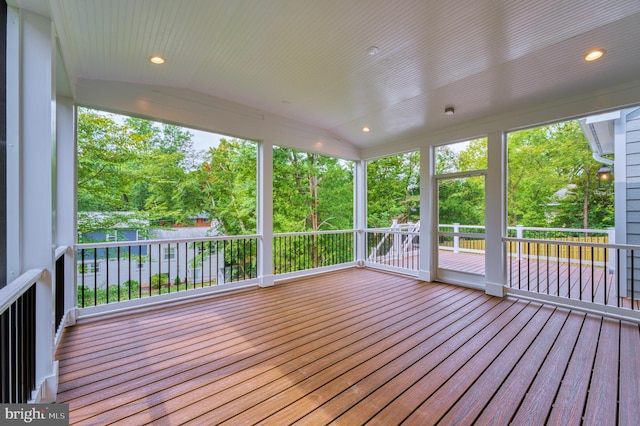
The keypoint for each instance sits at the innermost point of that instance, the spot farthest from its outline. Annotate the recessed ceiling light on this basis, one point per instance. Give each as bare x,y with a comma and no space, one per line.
594,55
366,129
156,60
449,111
373,50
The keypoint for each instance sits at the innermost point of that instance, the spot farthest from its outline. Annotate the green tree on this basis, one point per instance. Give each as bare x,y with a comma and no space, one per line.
225,186
311,192
138,167
552,179
105,152
393,190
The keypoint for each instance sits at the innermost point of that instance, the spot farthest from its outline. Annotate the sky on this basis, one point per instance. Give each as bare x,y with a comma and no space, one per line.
202,141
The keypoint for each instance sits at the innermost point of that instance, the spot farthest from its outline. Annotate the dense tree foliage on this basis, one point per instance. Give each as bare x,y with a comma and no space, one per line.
311,192
153,172
393,190
552,180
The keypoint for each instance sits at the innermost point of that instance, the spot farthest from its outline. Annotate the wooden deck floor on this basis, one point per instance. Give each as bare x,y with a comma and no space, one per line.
348,348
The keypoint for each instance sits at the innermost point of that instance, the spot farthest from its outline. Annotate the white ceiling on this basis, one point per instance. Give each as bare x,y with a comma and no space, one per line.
307,60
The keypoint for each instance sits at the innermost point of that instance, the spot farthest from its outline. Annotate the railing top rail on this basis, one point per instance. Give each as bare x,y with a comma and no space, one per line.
293,234
573,243
16,288
60,251
164,241
463,234
528,228
578,230
391,231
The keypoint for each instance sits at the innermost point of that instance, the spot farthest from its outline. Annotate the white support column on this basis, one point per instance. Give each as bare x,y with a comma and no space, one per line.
14,164
456,239
495,215
427,217
519,235
265,214
32,130
360,211
66,194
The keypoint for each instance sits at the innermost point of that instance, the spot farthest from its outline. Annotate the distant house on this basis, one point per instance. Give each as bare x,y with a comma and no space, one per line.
199,221
165,253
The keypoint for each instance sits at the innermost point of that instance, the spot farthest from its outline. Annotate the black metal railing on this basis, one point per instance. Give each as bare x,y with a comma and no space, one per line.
114,272
60,292
18,346
603,274
302,251
393,248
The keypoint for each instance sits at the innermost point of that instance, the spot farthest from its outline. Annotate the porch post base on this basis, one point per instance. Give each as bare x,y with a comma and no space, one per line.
425,275
267,281
47,389
494,289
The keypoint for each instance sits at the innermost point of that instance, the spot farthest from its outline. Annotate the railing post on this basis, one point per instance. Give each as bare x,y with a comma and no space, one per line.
456,239
519,235
611,263
397,239
265,217
65,204
360,213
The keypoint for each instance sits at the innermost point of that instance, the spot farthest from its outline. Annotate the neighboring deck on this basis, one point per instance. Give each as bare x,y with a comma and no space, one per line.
351,347
578,281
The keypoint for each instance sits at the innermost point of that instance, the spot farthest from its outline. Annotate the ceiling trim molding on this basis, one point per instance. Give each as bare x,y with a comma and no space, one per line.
208,113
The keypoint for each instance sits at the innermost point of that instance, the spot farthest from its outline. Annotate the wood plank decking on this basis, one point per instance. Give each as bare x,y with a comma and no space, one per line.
348,348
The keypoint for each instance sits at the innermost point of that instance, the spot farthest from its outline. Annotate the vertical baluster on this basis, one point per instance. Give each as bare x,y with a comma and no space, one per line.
95,277
593,290
606,279
558,268
129,253
5,356
118,268
186,265
528,266
107,267
537,267
84,272
150,249
140,263
579,271
209,256
13,357
510,244
547,276
632,281
618,285
569,270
